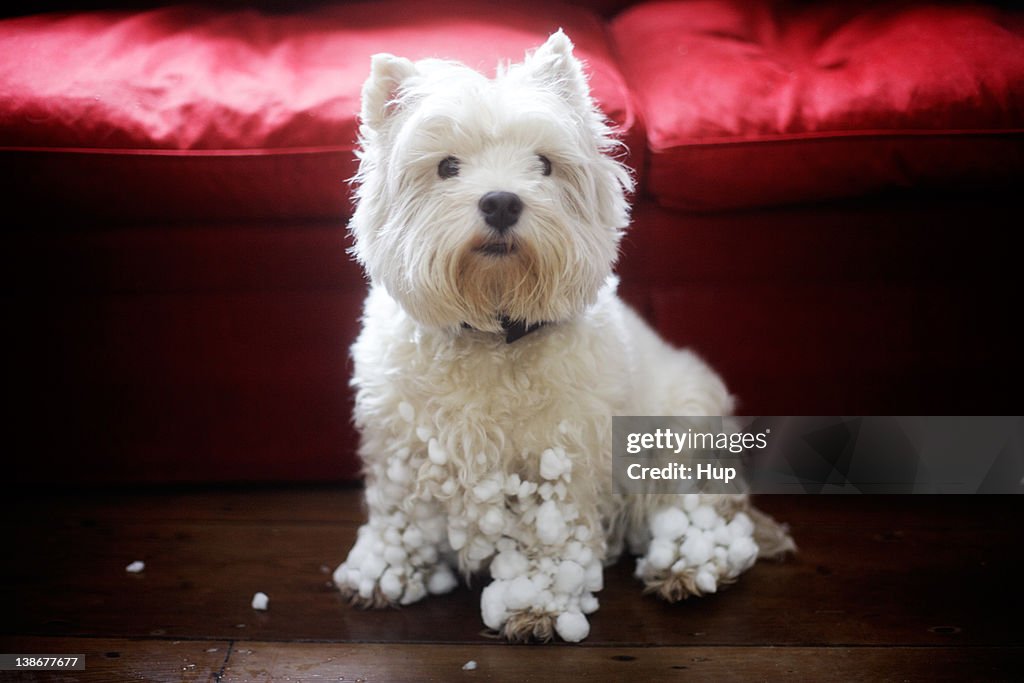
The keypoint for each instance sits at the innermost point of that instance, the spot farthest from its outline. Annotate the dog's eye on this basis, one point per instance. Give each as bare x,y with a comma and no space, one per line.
545,164
448,168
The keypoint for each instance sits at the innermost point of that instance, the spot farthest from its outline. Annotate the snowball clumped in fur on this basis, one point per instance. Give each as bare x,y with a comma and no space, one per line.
696,541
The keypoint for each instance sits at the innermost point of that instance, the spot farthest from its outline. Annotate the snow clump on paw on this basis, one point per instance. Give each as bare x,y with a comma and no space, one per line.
572,627
696,542
550,569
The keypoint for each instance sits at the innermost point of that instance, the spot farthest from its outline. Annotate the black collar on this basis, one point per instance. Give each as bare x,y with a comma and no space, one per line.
513,329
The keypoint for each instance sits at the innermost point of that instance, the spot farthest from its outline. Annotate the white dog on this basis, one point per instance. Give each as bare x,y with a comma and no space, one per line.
494,352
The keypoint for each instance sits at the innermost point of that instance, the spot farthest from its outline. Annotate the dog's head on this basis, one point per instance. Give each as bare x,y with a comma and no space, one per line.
480,198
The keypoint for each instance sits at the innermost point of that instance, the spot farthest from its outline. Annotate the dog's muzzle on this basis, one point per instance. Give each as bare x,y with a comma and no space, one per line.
501,210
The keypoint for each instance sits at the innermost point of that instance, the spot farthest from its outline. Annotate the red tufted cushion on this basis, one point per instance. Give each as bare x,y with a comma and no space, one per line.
757,103
185,111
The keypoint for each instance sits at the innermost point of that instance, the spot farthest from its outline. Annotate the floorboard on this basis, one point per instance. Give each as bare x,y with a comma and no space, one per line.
884,587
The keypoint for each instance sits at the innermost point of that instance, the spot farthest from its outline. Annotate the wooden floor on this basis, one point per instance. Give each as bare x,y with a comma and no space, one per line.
884,588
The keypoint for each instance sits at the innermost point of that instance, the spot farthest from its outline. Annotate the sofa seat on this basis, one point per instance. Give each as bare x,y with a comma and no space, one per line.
764,103
185,112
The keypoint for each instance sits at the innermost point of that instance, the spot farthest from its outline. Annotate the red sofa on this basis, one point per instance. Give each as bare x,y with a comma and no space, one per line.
827,204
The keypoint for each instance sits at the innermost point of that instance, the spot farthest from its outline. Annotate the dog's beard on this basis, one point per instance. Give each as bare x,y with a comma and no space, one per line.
479,280
498,278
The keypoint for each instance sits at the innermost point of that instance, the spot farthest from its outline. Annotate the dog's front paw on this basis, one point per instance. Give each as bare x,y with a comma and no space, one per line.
392,569
694,550
536,606
531,626
521,612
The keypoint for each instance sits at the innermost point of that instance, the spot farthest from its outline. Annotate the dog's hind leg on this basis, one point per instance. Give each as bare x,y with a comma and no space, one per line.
694,544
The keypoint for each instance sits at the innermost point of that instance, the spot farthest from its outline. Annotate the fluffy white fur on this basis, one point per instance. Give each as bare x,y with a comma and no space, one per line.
486,455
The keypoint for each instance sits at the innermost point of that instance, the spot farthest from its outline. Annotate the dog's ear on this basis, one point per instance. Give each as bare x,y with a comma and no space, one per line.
381,90
554,66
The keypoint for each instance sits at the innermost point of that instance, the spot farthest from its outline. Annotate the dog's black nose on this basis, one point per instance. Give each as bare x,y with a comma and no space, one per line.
501,209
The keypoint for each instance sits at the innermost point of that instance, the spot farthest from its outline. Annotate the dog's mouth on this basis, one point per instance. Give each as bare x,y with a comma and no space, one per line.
496,248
